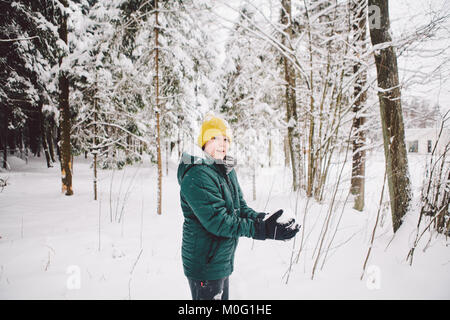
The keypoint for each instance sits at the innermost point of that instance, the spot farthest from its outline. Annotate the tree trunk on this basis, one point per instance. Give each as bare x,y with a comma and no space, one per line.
291,104
254,181
287,161
50,141
167,158
311,149
179,143
95,149
58,138
158,111
34,134
391,115
43,137
270,152
5,137
65,150
360,95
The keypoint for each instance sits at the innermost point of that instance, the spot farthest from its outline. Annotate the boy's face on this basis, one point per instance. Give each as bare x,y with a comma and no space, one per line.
217,147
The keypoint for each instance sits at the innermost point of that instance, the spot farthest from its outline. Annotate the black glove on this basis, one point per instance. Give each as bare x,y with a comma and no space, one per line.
271,229
260,216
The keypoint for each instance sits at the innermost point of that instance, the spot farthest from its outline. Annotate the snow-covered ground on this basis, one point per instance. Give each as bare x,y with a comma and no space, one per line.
58,247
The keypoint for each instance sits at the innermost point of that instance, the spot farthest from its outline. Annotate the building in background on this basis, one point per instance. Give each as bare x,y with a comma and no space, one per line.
422,140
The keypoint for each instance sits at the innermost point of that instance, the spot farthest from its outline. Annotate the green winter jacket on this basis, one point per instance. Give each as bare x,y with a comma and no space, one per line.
215,216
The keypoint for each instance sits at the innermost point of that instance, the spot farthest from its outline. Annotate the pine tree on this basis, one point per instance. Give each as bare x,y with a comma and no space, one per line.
27,91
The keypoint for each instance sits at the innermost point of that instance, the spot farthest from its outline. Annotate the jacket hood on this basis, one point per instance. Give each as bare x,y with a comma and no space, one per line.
200,157
188,160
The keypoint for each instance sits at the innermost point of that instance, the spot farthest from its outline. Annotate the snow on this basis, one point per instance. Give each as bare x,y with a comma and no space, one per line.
58,247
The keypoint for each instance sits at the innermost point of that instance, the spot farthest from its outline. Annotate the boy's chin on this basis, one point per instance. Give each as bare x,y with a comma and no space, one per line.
219,156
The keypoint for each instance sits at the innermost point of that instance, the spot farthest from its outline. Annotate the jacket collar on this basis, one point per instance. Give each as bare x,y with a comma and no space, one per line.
226,165
198,156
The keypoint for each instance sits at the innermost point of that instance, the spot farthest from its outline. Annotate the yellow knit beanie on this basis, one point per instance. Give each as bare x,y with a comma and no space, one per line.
211,127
